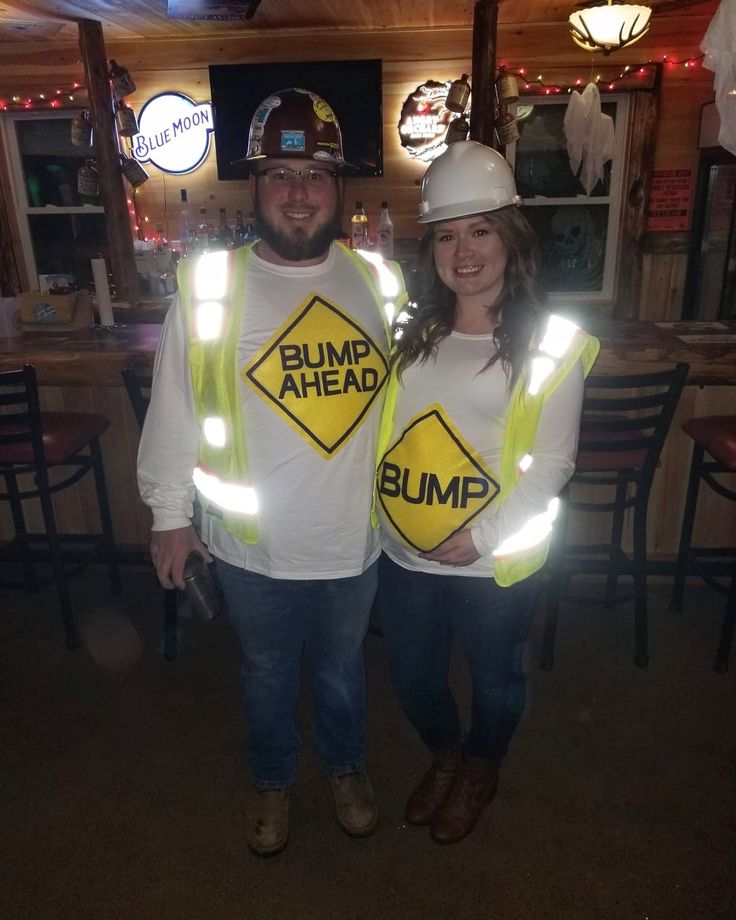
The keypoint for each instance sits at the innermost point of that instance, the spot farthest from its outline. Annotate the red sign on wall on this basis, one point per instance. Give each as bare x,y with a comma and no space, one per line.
670,199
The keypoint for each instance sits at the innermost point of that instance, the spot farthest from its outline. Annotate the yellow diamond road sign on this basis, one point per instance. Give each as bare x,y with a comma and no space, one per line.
322,372
431,483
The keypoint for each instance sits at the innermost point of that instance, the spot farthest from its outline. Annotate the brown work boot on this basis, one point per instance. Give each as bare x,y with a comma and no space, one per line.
267,827
355,803
431,791
473,787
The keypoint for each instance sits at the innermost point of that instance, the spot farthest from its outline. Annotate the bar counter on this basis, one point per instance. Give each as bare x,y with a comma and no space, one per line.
81,371
88,356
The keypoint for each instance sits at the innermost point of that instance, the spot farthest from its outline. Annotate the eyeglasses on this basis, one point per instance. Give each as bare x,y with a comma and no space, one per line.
282,175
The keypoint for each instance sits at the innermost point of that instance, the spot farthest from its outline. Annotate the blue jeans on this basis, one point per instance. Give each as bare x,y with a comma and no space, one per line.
421,614
276,620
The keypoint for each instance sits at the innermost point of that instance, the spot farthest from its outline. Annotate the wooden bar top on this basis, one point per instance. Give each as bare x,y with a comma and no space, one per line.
85,357
88,357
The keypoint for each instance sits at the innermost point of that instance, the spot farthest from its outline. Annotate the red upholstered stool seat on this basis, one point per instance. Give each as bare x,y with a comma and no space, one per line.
714,460
32,444
64,434
717,434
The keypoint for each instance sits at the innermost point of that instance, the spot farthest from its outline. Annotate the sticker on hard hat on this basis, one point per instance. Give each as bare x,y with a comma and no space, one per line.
263,111
431,483
321,372
322,110
293,142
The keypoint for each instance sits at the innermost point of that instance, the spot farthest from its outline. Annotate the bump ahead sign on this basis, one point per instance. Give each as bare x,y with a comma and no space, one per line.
173,133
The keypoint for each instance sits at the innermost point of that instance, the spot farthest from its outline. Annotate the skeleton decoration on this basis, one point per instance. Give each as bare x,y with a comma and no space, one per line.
574,258
719,47
590,136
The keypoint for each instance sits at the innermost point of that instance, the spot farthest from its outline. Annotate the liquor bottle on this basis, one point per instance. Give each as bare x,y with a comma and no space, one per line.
122,82
385,233
186,230
224,234
125,117
88,180
458,95
359,228
204,232
159,238
250,229
238,230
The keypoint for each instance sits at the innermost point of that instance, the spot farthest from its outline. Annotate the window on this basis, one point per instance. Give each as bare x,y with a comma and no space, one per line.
578,233
61,231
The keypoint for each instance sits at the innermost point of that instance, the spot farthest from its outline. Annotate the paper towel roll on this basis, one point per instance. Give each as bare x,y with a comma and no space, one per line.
102,292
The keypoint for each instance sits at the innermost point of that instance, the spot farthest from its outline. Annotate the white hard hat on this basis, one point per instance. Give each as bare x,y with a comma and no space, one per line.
468,178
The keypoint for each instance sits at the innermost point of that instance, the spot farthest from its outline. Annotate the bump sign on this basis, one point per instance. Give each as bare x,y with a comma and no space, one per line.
431,483
322,372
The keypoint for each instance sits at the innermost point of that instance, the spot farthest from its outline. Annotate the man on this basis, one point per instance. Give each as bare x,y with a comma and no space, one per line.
268,384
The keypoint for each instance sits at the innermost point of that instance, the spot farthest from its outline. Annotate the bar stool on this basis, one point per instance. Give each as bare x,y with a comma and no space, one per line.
624,424
34,443
138,387
714,453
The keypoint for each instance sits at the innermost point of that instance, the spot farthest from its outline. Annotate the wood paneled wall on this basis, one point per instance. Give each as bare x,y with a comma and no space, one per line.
410,56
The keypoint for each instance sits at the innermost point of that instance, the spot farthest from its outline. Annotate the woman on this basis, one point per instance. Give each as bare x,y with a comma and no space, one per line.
479,437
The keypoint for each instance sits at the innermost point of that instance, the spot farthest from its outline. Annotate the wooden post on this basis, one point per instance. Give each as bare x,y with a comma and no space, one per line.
643,120
112,190
483,103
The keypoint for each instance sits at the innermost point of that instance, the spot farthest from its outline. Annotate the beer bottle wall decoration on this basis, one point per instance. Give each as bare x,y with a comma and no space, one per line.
121,80
458,95
81,130
133,171
88,181
126,120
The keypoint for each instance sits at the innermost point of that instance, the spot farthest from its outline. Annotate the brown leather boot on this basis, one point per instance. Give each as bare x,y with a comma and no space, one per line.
473,787
432,789
267,827
355,803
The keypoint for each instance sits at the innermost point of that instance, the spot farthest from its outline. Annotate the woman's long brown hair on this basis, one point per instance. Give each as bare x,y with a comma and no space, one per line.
518,308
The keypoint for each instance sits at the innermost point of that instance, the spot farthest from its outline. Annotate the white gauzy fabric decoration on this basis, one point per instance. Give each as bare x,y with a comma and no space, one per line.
589,135
719,47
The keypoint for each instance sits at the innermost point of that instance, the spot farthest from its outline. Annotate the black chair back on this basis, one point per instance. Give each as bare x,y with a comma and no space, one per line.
623,428
138,386
20,416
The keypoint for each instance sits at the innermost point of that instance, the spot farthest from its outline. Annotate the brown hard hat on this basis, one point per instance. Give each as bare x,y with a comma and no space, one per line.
295,123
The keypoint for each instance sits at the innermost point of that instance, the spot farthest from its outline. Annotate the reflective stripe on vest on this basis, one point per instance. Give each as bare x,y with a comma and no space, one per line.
392,287
563,344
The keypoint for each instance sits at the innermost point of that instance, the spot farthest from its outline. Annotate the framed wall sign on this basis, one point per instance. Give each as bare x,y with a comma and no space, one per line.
174,133
424,120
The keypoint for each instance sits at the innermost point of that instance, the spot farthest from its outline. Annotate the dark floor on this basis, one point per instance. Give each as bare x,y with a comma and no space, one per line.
123,790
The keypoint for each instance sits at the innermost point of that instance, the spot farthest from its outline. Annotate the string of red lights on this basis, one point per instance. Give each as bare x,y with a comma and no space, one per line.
66,97
609,83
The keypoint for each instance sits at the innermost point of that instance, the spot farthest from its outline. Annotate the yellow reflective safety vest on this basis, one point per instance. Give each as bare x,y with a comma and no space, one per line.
525,407
211,289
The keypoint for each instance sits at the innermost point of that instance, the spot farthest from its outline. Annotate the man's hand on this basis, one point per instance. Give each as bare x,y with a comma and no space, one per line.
169,551
457,550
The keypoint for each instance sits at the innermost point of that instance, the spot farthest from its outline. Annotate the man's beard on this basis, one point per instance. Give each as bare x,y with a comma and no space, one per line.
296,246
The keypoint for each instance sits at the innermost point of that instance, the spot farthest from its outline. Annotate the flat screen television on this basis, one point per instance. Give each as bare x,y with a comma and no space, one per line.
352,88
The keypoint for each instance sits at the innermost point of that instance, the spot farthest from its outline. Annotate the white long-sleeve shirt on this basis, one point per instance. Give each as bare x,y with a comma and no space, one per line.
445,456
311,357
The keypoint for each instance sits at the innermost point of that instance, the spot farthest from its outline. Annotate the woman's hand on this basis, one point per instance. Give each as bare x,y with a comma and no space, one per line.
457,550
169,551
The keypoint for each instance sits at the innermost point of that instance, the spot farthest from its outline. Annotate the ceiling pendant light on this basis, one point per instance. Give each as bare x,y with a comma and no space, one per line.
609,26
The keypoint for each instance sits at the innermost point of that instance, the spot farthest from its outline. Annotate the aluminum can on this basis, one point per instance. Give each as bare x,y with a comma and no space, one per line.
205,600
